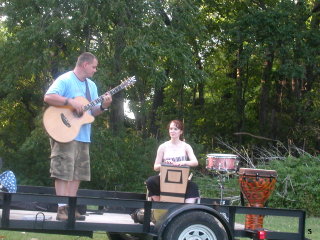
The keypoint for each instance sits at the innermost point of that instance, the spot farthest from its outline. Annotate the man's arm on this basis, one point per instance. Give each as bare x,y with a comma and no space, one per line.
57,100
98,109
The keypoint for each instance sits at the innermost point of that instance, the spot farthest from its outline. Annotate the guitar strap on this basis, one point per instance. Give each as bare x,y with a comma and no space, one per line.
87,91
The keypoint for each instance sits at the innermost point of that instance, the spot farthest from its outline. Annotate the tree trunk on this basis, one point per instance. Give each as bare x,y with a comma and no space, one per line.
241,84
264,108
158,89
157,102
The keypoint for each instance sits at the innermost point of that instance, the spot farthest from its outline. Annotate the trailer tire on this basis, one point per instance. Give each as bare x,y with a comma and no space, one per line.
194,225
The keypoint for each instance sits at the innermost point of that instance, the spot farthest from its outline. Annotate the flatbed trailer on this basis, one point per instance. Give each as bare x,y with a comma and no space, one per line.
109,211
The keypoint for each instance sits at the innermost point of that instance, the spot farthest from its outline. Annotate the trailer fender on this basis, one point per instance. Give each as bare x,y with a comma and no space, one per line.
176,211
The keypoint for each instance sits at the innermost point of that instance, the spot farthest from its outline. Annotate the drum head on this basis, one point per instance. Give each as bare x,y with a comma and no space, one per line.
257,172
221,155
222,163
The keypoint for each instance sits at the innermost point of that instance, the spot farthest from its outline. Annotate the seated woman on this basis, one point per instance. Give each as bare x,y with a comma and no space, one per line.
175,152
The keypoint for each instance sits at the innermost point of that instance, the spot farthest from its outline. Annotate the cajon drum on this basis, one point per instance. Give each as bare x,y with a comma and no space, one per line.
173,183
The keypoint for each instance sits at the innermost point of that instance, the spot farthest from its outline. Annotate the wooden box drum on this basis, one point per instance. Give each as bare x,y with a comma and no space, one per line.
256,186
173,183
222,163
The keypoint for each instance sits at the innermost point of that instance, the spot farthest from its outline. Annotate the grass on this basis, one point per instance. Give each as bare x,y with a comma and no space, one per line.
17,235
312,228
286,224
209,188
289,224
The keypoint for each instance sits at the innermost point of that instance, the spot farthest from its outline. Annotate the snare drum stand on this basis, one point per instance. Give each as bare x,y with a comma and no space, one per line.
221,179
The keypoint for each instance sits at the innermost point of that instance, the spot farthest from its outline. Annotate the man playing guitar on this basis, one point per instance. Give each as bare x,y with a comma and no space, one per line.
70,161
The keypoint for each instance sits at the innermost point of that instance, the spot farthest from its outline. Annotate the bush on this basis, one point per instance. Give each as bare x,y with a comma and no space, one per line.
297,184
297,187
209,186
31,162
121,162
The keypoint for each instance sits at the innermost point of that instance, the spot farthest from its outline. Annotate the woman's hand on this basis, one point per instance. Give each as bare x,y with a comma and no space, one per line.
169,162
181,163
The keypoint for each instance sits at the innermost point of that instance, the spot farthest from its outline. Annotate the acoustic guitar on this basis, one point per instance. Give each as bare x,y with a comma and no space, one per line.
63,124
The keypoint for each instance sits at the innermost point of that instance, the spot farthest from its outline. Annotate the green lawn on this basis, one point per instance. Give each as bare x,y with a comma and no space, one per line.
15,235
288,224
274,223
312,228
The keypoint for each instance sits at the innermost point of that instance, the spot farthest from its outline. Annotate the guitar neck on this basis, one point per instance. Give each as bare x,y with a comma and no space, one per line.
113,91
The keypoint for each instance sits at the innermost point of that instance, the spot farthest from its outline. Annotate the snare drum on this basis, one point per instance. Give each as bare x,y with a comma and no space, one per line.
256,186
222,163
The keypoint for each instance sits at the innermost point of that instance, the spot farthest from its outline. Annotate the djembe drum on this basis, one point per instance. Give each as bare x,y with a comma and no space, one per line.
256,186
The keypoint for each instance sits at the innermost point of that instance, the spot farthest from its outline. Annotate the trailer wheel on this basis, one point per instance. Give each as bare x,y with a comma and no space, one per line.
195,225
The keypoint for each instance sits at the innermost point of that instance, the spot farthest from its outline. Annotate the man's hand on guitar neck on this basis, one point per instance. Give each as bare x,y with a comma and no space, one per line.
107,99
98,109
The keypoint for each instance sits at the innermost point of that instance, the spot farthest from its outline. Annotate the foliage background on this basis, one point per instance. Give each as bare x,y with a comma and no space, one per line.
242,75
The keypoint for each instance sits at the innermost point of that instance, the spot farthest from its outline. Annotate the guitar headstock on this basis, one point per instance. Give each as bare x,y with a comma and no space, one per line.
127,82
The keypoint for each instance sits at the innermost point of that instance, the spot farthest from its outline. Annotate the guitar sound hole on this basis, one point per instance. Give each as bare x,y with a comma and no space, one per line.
65,120
78,115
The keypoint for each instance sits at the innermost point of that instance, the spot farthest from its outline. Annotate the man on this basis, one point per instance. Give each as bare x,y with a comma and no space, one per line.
70,162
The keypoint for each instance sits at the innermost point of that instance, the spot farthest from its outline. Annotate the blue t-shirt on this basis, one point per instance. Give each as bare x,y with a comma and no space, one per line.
69,86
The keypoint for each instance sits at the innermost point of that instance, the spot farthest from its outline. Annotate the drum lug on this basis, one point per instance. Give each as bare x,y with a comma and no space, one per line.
257,176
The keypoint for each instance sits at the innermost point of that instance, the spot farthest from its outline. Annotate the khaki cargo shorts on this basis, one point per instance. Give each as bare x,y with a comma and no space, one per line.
70,161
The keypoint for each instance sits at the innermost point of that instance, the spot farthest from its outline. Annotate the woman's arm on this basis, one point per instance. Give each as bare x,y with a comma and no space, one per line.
193,162
193,159
159,157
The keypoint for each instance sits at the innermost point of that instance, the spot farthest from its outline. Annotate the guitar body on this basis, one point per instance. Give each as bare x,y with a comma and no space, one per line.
63,124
